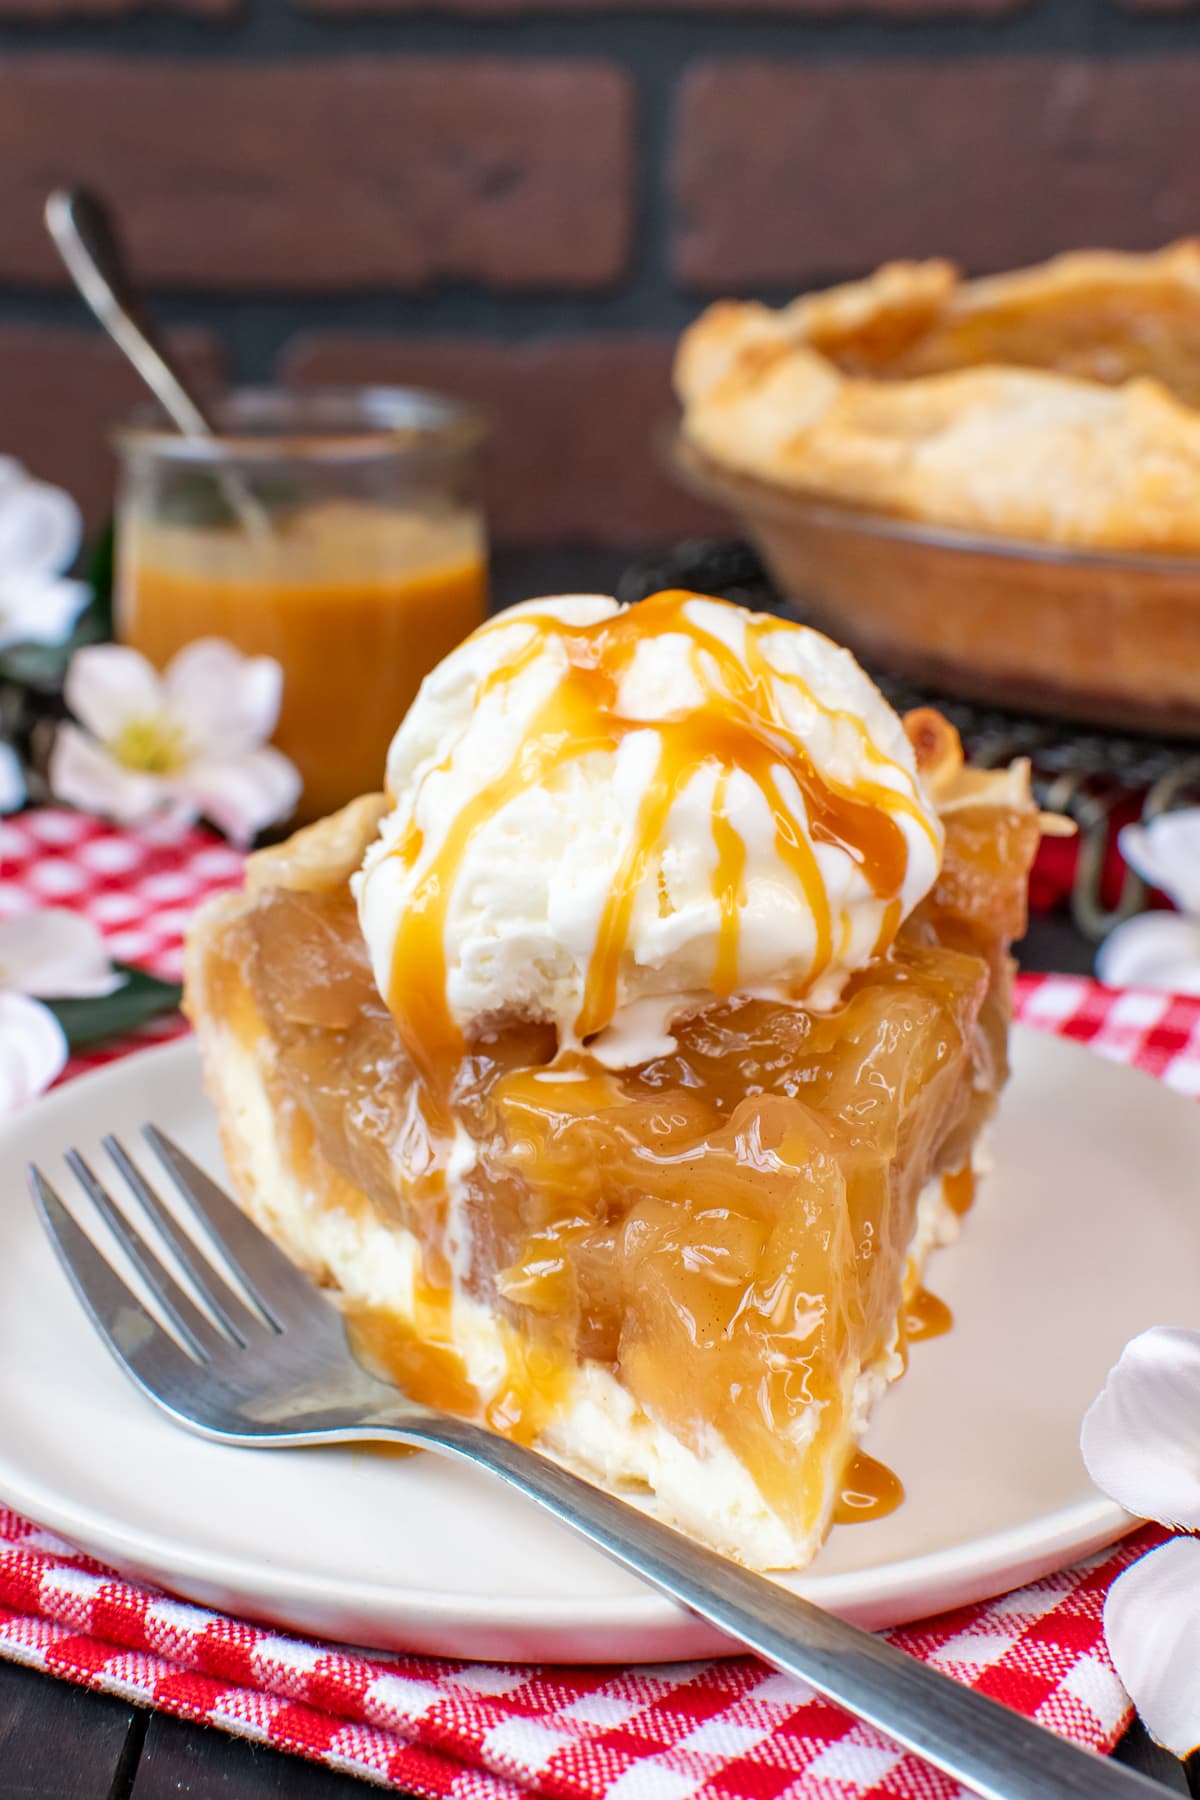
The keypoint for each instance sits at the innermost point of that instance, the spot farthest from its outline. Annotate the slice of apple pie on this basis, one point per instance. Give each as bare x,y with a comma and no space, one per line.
620,1067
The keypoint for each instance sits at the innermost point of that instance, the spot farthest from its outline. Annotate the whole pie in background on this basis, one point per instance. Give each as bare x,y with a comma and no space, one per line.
991,487
1056,404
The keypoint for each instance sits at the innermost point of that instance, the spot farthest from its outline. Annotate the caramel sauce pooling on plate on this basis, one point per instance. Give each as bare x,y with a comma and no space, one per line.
959,1189
926,1316
870,1490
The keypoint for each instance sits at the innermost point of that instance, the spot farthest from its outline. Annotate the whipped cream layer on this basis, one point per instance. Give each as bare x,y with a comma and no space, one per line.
602,816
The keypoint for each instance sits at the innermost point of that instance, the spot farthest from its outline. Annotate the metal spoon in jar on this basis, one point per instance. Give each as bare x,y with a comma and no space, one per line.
83,233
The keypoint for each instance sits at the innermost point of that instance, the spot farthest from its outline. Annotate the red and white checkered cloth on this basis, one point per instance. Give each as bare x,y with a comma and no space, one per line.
139,888
730,1730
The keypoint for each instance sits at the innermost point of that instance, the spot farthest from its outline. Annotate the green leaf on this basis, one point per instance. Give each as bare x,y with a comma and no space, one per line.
99,575
96,1017
43,667
38,666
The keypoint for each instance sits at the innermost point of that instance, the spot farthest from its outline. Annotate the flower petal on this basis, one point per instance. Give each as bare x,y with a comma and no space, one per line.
40,528
1155,950
241,794
1141,1435
1166,853
12,780
226,702
12,476
55,954
35,610
83,773
33,1050
1152,1622
107,685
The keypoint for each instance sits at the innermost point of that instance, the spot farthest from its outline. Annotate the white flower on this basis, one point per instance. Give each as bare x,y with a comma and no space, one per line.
55,955
12,780
1152,1620
40,530
1141,1443
1160,949
192,741
33,1050
52,954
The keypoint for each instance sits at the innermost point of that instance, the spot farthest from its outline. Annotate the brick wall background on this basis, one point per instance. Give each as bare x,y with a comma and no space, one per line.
524,200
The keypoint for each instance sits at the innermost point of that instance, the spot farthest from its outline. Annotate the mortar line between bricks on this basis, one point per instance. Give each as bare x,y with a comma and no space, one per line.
663,38
656,46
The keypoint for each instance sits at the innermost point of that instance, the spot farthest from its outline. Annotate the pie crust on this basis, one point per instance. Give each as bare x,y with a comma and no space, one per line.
1058,405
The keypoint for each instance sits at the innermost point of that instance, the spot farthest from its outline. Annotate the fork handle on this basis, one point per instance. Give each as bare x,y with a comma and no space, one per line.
990,1749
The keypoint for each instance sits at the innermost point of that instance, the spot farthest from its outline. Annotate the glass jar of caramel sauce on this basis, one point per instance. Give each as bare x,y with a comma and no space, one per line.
337,530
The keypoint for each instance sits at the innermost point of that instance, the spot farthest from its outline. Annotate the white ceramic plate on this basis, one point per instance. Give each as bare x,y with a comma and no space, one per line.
1087,1232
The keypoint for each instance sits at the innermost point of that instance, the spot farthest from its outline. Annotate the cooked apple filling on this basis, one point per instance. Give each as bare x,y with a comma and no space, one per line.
726,1236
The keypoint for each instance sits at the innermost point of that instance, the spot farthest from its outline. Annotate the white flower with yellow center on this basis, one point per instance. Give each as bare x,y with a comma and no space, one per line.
192,741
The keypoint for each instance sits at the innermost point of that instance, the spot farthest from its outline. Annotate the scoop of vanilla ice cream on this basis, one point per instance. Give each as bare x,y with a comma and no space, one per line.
530,864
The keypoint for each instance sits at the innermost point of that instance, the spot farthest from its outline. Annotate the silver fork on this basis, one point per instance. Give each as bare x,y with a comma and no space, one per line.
273,1367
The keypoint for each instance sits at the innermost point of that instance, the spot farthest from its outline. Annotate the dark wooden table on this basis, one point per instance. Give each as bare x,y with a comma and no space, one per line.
61,1743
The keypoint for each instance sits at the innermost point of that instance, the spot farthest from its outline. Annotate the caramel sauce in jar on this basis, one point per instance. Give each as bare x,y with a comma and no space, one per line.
356,602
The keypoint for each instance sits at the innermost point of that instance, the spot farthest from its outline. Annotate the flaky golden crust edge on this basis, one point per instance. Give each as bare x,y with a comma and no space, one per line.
1022,452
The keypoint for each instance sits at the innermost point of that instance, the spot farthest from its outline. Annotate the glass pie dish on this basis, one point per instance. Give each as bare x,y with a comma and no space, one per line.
1108,638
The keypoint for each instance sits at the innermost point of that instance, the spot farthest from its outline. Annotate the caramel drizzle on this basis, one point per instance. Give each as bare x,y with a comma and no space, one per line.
728,884
870,1490
740,726
958,1188
926,1316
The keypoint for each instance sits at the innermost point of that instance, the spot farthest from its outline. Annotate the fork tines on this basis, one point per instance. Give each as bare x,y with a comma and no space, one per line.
213,1308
